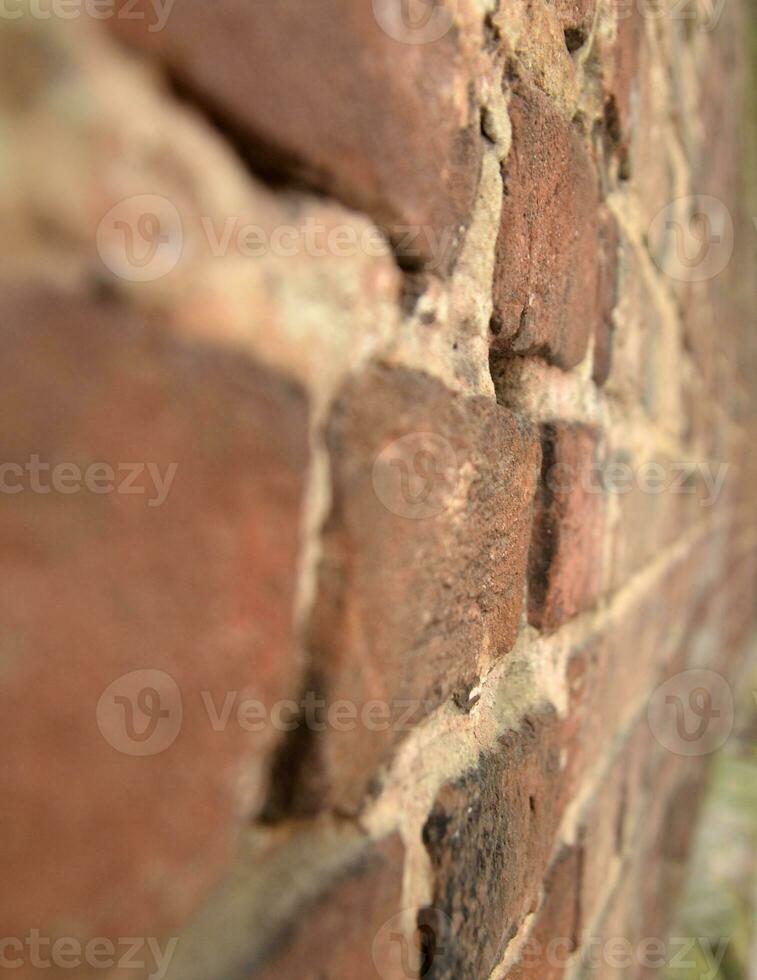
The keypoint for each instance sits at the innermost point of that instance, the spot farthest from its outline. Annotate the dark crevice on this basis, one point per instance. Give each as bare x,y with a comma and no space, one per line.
575,38
275,168
431,940
612,120
414,285
614,135
492,33
545,529
292,759
575,937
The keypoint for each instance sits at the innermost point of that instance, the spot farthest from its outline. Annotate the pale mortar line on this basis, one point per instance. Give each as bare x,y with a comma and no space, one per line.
448,743
621,740
517,943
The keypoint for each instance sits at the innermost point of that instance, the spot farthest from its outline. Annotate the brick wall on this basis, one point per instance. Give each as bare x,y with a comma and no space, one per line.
378,546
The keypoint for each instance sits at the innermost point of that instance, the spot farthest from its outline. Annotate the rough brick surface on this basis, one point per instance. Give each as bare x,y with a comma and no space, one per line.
564,564
389,128
428,489
555,934
489,836
426,535
546,276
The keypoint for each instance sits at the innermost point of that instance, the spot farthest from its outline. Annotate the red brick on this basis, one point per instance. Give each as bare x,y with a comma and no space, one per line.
320,93
623,84
353,928
546,274
489,837
564,562
460,554
98,586
609,818
554,934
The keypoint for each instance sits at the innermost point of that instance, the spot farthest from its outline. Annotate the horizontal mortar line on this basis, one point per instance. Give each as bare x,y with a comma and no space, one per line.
656,280
567,831
411,827
480,728
621,740
615,876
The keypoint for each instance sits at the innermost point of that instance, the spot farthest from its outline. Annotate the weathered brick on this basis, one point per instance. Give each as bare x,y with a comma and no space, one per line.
321,93
489,837
576,17
546,274
432,496
564,562
200,588
555,931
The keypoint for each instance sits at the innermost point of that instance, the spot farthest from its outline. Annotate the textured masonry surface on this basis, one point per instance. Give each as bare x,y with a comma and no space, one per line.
392,428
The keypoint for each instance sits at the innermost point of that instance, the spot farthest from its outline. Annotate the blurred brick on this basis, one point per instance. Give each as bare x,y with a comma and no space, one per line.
564,562
424,561
607,296
621,104
489,837
354,928
546,276
100,840
321,93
